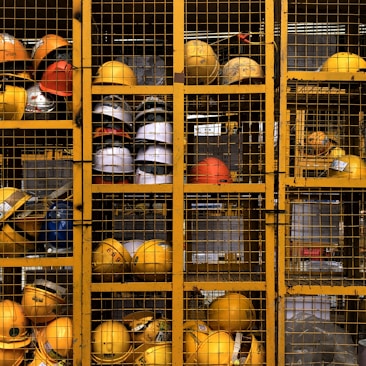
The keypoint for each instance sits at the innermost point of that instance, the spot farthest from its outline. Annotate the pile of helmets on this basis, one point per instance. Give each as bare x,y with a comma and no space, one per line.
154,136
151,337
226,337
43,303
141,338
202,67
112,119
149,260
46,339
126,149
27,227
18,227
112,135
36,85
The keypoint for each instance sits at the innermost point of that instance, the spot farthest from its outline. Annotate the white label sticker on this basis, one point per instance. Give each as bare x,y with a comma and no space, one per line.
4,208
338,165
212,129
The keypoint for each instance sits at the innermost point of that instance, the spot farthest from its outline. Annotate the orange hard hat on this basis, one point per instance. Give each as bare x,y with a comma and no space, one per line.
57,79
11,49
210,170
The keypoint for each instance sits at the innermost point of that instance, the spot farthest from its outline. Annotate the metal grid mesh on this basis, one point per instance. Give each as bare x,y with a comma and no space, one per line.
225,237
324,328
337,27
326,121
324,236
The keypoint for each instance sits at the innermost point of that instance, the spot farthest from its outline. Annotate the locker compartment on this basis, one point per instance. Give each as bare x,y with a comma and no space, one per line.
325,236
139,319
326,327
223,318
132,238
237,139
224,234
325,124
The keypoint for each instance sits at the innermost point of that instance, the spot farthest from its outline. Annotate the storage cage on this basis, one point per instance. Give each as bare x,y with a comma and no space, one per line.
182,182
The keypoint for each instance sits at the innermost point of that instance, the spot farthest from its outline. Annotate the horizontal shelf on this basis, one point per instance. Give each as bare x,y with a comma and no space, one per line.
187,188
326,76
37,124
324,182
18,261
187,89
187,286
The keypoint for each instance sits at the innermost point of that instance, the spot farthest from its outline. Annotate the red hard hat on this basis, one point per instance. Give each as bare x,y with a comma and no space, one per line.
57,79
210,170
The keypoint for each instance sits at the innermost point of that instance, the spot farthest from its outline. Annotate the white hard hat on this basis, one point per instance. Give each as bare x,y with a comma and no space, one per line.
156,131
155,153
116,109
155,106
113,159
143,177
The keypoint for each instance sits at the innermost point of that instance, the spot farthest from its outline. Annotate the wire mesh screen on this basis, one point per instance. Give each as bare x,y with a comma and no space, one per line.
338,28
324,241
324,328
325,123
225,237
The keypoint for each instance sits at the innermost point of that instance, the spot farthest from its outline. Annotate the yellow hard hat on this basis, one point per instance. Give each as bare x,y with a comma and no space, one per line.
11,49
13,325
12,103
55,339
201,63
111,343
115,72
241,68
153,354
254,354
39,359
348,166
42,300
336,152
45,46
12,356
343,62
152,260
145,327
232,312
111,259
14,242
216,349
21,78
195,332
30,222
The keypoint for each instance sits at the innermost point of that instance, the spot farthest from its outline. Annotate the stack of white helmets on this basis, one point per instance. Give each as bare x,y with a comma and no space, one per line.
112,137
154,139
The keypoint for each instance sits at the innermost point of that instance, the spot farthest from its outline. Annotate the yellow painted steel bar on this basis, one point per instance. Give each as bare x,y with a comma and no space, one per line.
353,290
178,180
188,188
283,146
86,181
271,177
78,200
